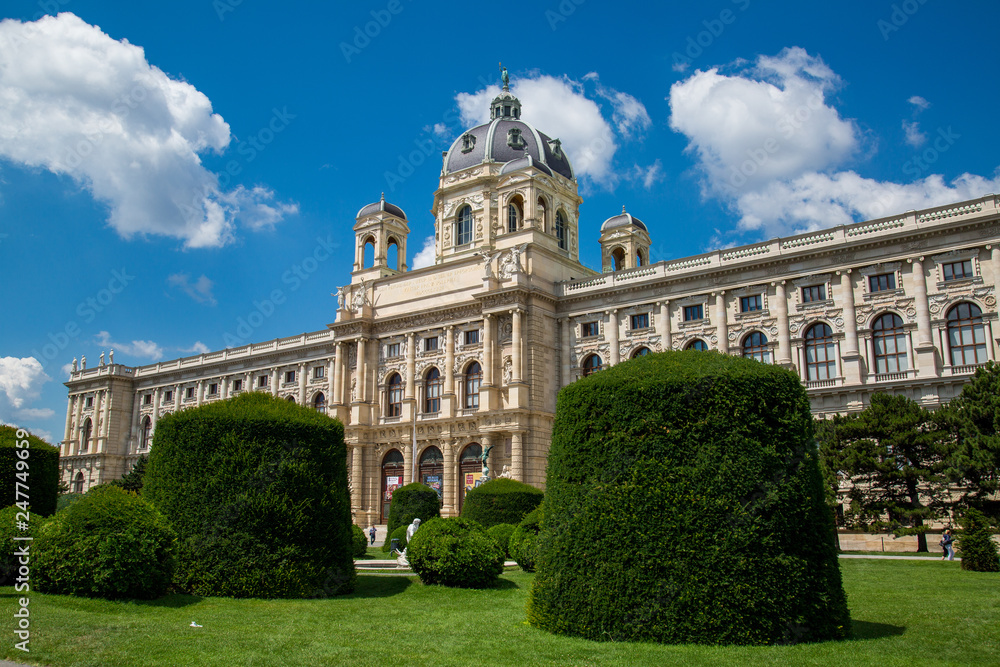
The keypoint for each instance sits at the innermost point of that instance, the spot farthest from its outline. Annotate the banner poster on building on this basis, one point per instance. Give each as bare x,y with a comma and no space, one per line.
392,482
472,480
434,481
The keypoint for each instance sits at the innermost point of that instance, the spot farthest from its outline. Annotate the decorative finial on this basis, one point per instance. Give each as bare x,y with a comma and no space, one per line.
383,196
623,209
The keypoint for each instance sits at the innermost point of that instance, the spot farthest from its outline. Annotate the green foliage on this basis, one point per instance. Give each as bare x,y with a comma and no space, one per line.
524,540
413,501
973,419
501,535
398,534
132,480
257,490
455,552
977,549
684,503
110,544
67,499
500,501
360,541
38,473
8,531
893,451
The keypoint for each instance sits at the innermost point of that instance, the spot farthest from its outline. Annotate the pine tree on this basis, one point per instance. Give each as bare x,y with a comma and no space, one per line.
973,419
975,545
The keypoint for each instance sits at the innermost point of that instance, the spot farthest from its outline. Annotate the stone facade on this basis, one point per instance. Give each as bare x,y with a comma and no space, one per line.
427,367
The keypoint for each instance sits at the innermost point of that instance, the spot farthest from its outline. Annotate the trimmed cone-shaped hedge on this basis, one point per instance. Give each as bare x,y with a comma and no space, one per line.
455,552
359,542
413,501
524,540
499,501
35,465
256,488
975,544
684,503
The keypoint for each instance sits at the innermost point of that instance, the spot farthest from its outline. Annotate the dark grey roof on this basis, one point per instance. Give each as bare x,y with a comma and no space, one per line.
621,220
491,145
381,205
524,163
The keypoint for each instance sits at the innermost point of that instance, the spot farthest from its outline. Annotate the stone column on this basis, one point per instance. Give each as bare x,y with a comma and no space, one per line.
926,354
851,359
339,364
156,410
407,448
451,478
781,311
198,392
449,361
613,336
303,378
487,352
77,433
105,431
516,343
275,381
665,325
64,451
177,397
331,371
362,371
721,325
564,352
356,478
517,455
411,365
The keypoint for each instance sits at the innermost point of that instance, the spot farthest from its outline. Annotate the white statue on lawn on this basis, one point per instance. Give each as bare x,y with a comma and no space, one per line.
410,530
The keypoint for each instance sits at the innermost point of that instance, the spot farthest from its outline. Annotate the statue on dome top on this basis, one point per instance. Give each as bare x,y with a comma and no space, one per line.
504,77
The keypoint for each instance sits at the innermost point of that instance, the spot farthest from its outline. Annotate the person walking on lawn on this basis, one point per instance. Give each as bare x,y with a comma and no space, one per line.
946,540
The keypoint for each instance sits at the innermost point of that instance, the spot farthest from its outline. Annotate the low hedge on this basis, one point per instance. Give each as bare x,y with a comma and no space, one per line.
35,466
684,504
524,540
110,544
9,520
360,540
413,501
975,544
455,552
501,501
501,535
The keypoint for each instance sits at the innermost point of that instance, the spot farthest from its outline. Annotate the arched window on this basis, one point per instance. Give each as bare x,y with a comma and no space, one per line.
697,344
368,260
641,352
432,470
290,399
392,478
85,433
966,335
319,402
463,226
473,378
432,390
821,361
394,396
513,217
78,483
889,341
561,229
618,257
144,436
541,214
592,364
639,259
755,347
392,254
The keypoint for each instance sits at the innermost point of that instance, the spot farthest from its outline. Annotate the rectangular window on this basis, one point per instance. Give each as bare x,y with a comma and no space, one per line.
814,293
213,389
189,393
749,304
237,385
318,372
472,337
882,282
169,396
290,376
640,321
957,270
694,312
90,401
147,399
392,350
588,329
261,380
430,344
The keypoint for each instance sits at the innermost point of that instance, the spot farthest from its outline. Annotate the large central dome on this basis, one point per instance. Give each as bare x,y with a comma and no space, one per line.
506,139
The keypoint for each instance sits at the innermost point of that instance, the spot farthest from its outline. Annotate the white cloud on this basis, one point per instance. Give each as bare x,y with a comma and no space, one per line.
560,108
426,255
78,103
648,176
139,349
36,413
914,137
769,144
198,348
21,382
200,290
920,103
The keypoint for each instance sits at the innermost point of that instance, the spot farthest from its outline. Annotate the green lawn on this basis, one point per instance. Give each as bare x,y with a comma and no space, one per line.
905,613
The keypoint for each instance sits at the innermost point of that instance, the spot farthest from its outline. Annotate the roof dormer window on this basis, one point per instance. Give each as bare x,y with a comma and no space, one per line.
468,142
514,139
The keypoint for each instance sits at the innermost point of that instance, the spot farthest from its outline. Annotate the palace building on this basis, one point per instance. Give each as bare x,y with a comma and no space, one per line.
428,367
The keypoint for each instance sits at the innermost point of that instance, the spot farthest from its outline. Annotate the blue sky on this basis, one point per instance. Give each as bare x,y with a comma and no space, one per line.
165,168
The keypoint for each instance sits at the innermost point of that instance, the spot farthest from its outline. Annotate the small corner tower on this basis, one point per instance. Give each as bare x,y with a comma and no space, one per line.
380,233
624,243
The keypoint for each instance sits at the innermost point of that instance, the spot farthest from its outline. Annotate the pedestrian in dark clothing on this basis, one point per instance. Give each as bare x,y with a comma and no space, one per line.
372,534
949,550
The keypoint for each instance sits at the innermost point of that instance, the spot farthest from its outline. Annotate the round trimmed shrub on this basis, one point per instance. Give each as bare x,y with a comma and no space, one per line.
38,468
360,542
684,504
524,540
501,535
256,488
110,544
976,547
413,501
455,552
499,501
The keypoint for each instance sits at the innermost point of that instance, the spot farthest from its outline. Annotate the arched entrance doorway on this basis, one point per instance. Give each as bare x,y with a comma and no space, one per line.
392,478
470,468
432,470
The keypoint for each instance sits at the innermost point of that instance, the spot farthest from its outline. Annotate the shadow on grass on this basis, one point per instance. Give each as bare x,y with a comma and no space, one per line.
373,586
172,601
866,630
